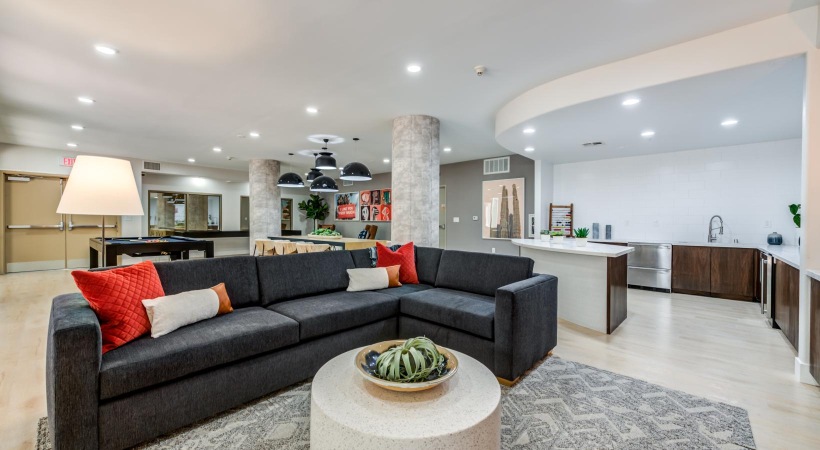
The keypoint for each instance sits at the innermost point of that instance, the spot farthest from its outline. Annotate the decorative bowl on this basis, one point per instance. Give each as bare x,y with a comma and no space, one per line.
365,362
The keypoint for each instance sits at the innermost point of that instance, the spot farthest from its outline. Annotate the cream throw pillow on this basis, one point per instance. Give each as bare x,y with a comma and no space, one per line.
168,313
367,279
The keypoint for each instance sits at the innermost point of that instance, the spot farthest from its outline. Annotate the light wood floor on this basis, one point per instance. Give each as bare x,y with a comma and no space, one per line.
717,349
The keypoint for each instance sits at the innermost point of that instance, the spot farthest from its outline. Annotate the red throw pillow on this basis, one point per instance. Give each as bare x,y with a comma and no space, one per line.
405,257
116,297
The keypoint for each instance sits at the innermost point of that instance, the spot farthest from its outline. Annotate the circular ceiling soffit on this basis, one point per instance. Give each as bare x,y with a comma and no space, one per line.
311,153
320,138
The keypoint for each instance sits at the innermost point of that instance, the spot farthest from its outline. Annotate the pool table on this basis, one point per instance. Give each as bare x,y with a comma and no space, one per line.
177,247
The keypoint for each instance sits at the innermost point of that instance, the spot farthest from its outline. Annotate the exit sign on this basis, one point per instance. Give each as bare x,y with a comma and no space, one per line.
68,161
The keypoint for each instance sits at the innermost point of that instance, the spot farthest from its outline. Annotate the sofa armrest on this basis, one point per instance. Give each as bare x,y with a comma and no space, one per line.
73,356
526,324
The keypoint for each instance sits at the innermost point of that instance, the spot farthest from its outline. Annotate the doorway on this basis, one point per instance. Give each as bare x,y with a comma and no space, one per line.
35,237
442,217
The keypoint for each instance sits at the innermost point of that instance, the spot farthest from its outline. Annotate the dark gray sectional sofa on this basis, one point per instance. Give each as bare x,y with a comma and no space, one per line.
292,314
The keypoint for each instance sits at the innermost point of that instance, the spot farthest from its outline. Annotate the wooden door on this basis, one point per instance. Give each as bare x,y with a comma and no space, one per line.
81,228
814,330
785,302
733,273
34,235
691,270
794,305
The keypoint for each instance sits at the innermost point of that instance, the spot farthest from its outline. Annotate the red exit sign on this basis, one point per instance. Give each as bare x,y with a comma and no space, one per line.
68,161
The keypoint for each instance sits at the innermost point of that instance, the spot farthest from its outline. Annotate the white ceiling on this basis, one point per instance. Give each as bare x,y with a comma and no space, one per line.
192,74
766,99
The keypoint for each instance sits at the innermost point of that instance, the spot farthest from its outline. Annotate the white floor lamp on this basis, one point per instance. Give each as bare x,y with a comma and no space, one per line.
99,186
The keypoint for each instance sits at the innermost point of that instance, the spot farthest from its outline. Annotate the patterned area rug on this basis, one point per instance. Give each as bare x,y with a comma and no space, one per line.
559,405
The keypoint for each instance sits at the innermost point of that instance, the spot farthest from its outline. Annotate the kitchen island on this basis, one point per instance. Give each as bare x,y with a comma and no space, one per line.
591,280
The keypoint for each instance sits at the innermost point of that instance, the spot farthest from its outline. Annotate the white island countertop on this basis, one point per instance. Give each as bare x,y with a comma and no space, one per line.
568,246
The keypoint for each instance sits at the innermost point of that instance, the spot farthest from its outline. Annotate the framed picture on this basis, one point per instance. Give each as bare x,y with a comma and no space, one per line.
376,205
502,214
531,228
347,206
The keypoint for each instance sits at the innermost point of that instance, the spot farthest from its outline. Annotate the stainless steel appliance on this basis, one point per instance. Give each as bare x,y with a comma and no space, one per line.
650,266
767,286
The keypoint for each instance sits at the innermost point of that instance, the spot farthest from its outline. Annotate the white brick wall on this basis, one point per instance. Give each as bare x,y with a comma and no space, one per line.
671,196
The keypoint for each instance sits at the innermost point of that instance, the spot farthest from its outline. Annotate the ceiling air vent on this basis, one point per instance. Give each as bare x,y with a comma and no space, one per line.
497,165
148,165
593,144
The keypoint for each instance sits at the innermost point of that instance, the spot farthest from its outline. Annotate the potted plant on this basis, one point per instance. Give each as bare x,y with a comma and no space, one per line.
581,235
794,208
545,235
557,237
315,208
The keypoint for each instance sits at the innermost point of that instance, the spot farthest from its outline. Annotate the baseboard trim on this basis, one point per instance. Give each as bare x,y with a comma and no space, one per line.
803,373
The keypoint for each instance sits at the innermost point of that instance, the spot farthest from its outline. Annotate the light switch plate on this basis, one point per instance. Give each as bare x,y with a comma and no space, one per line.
475,217
455,219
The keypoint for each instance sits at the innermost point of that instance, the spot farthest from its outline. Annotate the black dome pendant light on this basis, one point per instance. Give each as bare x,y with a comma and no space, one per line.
324,184
355,171
290,180
313,174
325,160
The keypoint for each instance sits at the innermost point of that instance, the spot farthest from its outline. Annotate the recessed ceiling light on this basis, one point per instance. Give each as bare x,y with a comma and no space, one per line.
529,149
86,100
729,122
529,130
386,160
414,68
312,110
216,149
648,133
254,134
191,160
631,101
77,127
447,149
71,144
106,50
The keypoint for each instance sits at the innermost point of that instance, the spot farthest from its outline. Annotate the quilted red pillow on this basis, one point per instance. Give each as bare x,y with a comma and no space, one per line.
116,297
405,257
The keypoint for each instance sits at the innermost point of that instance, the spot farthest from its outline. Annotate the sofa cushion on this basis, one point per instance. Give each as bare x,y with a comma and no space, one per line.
329,313
480,273
404,289
237,272
461,310
427,263
147,361
300,275
362,258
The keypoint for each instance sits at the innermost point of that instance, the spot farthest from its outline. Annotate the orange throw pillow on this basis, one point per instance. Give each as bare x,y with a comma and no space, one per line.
116,297
393,276
224,301
405,257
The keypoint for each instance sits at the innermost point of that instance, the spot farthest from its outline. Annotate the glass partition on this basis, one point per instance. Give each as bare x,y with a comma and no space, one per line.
183,211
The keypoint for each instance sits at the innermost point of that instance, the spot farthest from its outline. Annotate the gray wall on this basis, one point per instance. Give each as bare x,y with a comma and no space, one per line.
463,184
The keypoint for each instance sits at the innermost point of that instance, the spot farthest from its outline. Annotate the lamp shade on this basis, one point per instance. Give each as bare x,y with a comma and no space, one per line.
313,174
291,179
101,186
324,184
325,161
355,171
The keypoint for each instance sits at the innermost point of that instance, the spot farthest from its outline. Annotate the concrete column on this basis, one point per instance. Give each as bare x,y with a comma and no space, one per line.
810,208
197,207
265,200
415,180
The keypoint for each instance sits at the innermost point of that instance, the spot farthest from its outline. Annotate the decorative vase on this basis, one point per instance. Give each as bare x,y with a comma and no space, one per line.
774,239
558,239
545,237
581,242
798,233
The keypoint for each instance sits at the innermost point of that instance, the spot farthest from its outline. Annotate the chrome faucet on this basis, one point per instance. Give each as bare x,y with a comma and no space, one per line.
713,237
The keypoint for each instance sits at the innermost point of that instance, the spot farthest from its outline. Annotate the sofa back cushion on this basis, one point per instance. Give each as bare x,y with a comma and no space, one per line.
480,273
292,276
427,264
362,258
237,272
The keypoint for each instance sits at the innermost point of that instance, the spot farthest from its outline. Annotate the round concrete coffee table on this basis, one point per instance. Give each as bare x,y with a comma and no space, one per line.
347,411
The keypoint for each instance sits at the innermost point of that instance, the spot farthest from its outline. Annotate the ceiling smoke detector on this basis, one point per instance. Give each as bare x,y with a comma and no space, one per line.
480,70
592,144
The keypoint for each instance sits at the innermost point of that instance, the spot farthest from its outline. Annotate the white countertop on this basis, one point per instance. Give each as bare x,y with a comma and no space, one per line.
790,254
568,246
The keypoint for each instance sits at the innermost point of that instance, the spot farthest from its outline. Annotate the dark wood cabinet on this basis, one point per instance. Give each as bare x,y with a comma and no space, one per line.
691,270
786,300
814,330
733,273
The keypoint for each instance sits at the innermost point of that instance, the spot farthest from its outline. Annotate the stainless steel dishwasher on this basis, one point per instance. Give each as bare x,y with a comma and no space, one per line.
650,266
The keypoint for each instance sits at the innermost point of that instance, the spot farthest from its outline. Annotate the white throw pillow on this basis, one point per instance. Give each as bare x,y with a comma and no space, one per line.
367,279
168,313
